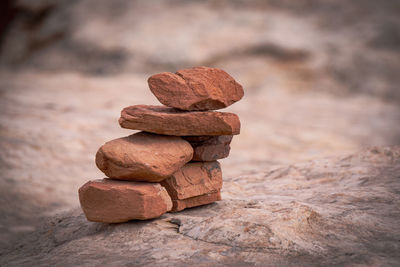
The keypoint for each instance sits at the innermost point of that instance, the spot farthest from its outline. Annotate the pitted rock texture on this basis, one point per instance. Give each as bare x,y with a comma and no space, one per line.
112,201
194,179
209,148
143,157
199,88
327,212
170,121
181,204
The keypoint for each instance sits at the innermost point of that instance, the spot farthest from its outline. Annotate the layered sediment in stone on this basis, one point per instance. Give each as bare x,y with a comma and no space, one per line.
199,88
181,204
143,157
194,180
170,121
209,148
112,201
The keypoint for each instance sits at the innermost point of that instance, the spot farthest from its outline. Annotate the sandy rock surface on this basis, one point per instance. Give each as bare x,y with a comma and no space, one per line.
321,83
143,157
111,201
79,122
337,211
199,88
171,121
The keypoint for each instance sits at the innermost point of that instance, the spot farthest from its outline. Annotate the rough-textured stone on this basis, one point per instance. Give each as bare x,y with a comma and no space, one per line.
194,179
199,88
181,204
52,122
112,201
341,212
170,121
209,148
143,157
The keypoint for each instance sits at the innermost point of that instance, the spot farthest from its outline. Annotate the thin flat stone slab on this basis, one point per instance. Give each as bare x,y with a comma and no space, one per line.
209,148
181,204
112,201
143,157
171,121
194,179
199,88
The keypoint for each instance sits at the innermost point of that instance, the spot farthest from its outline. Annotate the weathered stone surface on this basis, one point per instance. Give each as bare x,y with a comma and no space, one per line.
112,201
199,88
143,157
195,184
209,148
194,179
170,121
181,204
54,121
325,212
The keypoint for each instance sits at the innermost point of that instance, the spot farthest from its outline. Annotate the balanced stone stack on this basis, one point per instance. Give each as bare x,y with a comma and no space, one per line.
172,163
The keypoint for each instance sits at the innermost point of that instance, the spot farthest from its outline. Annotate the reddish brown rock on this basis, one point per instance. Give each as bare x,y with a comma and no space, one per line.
194,179
209,148
143,157
170,121
181,204
199,88
112,201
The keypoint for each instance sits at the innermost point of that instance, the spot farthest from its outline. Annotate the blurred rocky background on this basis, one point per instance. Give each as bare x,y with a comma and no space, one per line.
321,81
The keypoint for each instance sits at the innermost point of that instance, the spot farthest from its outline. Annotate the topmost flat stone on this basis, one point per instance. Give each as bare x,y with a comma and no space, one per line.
199,88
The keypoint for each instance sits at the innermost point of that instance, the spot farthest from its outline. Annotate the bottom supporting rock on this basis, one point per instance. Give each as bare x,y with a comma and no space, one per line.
181,204
113,201
194,179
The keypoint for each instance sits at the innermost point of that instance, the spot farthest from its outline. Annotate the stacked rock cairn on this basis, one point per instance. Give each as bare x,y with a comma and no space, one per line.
172,163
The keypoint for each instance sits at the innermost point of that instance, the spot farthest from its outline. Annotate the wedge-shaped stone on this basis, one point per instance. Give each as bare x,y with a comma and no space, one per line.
143,157
170,121
112,201
181,204
199,88
194,179
209,148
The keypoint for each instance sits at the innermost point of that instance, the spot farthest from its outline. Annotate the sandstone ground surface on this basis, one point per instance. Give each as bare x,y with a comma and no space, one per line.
312,179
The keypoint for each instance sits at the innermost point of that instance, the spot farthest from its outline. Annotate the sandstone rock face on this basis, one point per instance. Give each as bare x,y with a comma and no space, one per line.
333,211
143,157
181,204
199,88
170,121
112,201
194,179
209,148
